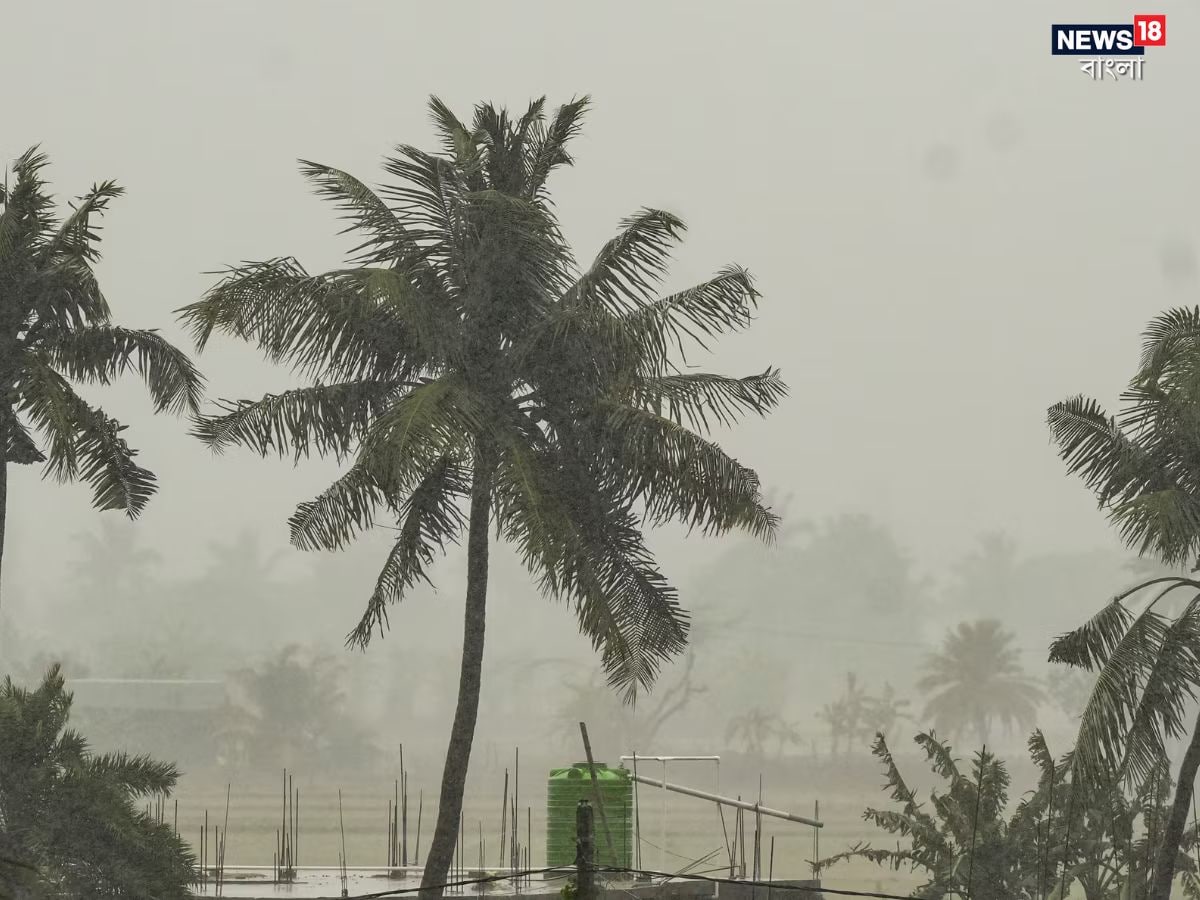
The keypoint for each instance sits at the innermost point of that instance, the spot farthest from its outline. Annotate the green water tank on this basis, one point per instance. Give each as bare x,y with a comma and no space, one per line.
565,789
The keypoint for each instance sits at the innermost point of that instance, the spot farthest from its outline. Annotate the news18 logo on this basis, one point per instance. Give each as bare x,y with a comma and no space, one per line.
1116,50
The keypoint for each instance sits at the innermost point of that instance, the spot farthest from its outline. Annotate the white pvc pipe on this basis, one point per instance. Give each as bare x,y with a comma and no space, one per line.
729,801
664,760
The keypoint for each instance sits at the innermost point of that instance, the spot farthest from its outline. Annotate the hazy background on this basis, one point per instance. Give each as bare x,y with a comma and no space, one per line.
952,229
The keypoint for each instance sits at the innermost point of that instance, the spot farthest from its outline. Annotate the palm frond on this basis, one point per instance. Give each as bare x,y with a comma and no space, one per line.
1166,695
430,202
328,418
77,236
680,476
28,208
457,140
720,305
99,354
20,446
433,420
138,775
1168,336
1088,646
1104,725
344,509
387,238
591,552
547,149
693,399
1094,447
629,268
64,295
429,519
1163,522
327,325
83,442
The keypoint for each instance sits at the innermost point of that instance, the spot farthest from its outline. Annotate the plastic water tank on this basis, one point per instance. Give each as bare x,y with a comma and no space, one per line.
565,789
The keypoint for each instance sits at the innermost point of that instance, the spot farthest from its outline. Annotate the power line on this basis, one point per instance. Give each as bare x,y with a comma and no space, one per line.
771,885
453,884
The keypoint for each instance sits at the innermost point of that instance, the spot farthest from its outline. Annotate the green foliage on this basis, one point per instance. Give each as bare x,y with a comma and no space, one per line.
463,346
1063,834
1147,673
976,680
1141,463
55,328
69,824
1142,467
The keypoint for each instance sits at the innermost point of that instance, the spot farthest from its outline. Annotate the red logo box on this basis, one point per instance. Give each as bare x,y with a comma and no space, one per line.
1150,31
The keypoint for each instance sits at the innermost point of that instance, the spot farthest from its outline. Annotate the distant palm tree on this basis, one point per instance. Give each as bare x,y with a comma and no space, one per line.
464,360
987,577
115,563
69,826
115,558
55,326
976,680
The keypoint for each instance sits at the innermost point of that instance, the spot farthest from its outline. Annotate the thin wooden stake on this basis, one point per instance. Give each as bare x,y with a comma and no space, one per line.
342,827
817,836
771,869
504,819
420,804
725,832
404,810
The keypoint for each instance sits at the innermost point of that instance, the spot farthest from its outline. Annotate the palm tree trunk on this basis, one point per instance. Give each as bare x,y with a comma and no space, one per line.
1168,849
462,733
3,497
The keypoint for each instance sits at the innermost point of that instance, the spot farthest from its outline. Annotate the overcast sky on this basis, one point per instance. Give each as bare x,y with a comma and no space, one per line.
952,229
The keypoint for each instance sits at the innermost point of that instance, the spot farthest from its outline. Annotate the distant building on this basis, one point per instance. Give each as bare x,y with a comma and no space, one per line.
171,719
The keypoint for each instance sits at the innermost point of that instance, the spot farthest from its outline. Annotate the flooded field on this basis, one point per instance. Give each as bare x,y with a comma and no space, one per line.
694,838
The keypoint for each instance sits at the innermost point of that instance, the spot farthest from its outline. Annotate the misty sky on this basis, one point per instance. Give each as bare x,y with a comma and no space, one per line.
951,228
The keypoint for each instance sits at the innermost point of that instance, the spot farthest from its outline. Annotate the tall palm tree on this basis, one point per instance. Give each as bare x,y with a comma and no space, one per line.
976,680
68,820
463,359
1144,467
55,327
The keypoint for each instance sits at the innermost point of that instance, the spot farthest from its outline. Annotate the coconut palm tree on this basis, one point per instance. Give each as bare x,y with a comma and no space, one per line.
56,327
1144,467
69,826
461,359
976,680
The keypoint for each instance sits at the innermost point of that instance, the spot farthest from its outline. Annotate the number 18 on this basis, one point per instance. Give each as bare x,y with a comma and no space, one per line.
1150,31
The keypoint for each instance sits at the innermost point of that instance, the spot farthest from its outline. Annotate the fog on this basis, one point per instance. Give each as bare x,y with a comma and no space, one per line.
951,230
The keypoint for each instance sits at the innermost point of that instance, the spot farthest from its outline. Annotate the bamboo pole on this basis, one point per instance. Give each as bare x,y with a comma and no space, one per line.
420,805
608,841
504,818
